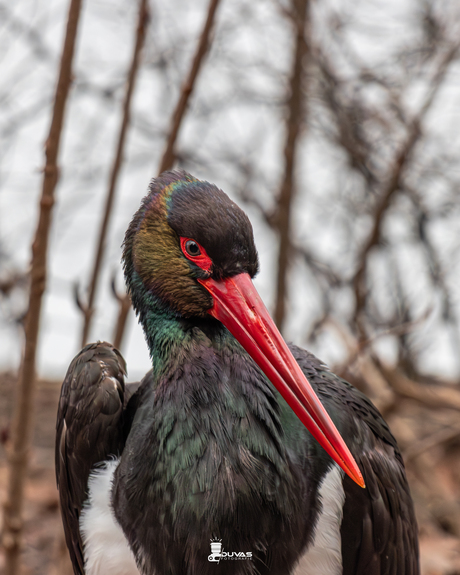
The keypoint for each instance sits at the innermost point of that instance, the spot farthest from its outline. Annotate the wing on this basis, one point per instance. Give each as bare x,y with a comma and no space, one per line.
379,530
90,428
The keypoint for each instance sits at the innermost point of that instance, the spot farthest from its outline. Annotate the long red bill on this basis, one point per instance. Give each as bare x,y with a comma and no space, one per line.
239,307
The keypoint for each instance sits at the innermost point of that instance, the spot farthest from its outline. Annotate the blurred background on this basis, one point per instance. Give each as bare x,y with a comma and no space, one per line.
334,124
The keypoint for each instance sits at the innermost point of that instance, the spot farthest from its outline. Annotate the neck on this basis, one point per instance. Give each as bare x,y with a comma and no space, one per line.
168,334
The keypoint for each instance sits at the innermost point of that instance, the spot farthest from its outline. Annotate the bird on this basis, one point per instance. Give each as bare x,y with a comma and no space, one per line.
237,453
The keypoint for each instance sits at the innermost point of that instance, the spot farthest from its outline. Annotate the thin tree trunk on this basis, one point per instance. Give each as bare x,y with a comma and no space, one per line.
88,310
23,411
167,160
295,110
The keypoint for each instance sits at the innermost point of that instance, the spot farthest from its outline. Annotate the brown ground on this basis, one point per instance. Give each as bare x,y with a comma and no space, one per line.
44,548
433,462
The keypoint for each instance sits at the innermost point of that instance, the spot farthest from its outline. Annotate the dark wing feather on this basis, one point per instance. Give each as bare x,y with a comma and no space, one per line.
379,530
90,428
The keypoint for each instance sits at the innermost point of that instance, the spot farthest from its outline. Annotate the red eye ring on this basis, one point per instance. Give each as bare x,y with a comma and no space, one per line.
200,258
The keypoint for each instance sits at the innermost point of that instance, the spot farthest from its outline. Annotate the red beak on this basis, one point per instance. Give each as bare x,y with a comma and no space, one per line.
239,307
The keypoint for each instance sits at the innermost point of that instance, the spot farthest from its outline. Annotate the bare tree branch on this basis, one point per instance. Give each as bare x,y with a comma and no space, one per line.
429,395
350,135
125,306
435,267
440,436
295,113
118,160
23,413
124,302
167,160
393,185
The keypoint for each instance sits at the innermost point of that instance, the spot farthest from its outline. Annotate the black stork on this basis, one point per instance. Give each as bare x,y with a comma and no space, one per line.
226,458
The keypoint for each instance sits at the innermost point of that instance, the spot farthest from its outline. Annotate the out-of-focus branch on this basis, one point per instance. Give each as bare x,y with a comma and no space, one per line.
23,413
9,282
167,161
40,50
116,166
317,267
436,269
442,435
295,117
429,395
348,119
124,302
125,306
394,183
32,35
357,348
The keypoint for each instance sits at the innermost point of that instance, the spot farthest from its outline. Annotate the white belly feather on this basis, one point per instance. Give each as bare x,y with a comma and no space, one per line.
106,549
324,555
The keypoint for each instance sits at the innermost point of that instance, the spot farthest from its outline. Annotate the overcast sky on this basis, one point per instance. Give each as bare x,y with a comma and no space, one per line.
236,112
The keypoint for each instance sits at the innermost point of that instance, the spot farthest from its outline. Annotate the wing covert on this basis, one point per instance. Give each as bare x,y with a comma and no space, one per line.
379,532
89,429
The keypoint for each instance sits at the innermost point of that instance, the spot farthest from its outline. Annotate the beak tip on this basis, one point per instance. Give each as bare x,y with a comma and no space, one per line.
357,477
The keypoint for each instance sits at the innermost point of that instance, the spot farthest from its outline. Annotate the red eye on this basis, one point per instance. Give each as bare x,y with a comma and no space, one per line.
195,253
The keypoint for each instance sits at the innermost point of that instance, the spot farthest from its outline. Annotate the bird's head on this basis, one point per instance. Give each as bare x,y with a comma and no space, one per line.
186,230
191,249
